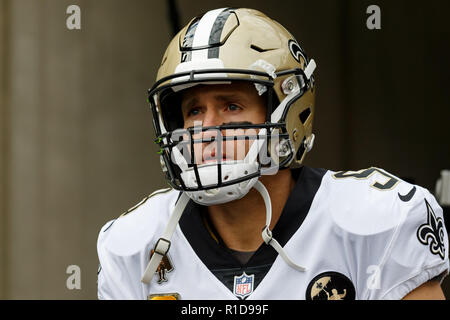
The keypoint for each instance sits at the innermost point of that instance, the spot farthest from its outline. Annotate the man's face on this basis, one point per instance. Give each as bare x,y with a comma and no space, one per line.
212,105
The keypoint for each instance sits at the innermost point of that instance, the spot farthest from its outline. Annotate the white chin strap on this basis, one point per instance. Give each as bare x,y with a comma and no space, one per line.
267,234
163,244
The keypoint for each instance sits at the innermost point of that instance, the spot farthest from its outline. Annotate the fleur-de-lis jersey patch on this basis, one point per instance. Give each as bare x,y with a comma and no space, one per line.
432,233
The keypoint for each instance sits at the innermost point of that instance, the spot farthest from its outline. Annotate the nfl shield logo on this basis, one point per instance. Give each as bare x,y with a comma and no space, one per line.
243,285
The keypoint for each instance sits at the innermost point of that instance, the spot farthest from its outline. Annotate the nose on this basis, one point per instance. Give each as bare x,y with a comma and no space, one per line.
209,149
211,117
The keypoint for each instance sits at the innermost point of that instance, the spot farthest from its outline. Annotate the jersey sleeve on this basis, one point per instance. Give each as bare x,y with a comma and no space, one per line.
419,248
116,279
106,288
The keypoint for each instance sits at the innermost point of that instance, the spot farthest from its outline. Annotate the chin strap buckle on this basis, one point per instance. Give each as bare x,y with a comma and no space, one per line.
162,246
267,235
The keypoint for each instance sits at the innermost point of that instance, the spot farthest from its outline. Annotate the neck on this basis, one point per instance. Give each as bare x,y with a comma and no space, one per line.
240,222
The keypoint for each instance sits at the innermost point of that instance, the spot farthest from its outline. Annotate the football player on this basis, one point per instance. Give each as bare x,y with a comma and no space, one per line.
233,107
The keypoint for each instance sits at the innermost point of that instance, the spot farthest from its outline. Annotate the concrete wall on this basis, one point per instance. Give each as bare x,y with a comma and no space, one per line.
78,148
76,142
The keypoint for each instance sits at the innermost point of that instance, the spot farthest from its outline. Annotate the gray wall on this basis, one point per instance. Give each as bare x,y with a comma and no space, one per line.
76,142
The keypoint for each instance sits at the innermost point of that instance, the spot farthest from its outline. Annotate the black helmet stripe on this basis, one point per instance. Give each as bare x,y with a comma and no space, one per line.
216,32
202,37
188,40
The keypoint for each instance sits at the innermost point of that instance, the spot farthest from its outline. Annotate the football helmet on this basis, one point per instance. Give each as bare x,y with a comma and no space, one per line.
220,47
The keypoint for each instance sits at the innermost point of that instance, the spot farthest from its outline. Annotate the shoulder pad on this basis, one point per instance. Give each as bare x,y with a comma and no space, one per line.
369,201
135,228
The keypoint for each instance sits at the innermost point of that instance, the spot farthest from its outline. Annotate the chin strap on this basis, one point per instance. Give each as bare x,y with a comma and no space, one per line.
163,244
267,234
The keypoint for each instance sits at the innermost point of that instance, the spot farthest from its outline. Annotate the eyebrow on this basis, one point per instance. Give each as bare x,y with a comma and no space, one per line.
190,102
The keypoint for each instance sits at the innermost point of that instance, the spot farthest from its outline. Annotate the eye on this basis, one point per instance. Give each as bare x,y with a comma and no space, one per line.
193,112
233,107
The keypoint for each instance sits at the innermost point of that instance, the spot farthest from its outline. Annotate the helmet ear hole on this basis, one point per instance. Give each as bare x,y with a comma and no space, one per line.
272,102
301,150
304,115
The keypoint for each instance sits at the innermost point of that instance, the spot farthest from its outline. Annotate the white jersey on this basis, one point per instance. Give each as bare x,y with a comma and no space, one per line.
360,235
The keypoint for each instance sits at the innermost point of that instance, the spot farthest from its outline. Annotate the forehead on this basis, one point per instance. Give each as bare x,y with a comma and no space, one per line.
237,90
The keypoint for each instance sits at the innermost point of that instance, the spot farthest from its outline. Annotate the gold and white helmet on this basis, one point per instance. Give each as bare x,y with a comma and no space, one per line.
222,46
